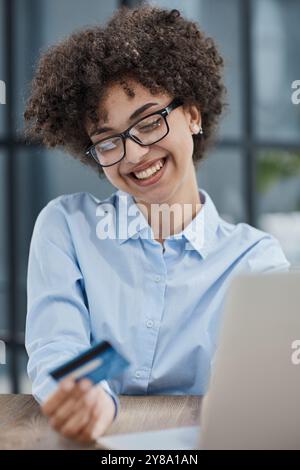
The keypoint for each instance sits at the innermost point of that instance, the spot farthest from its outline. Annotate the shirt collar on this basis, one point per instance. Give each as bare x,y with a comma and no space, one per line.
200,233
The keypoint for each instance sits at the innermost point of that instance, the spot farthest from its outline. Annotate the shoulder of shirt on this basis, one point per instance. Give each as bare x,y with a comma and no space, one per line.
241,234
65,202
246,231
262,248
78,198
60,209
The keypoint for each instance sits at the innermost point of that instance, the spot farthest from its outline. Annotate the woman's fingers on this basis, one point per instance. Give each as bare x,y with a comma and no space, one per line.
81,415
58,397
100,419
69,406
87,433
80,410
76,423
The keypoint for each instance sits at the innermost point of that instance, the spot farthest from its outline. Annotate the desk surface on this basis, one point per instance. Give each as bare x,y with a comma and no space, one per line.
24,427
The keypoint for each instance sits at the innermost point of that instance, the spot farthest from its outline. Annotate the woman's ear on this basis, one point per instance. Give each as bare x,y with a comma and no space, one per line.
193,117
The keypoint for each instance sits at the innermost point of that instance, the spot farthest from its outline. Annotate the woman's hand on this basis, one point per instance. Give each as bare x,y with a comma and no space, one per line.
80,410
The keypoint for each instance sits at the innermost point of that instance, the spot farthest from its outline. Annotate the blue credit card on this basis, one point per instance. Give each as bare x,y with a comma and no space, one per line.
101,362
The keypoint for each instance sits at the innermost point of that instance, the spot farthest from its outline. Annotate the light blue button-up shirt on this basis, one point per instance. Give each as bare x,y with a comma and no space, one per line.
95,273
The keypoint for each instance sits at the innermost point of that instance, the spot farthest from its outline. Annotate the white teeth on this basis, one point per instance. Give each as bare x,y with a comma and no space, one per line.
149,171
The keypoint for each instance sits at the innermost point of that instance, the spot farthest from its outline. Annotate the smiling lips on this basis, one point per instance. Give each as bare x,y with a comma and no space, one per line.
151,170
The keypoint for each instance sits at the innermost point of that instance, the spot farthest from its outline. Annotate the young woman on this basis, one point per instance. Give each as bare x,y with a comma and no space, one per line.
146,269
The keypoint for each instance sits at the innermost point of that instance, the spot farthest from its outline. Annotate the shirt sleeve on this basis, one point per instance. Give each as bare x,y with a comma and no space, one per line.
268,257
58,321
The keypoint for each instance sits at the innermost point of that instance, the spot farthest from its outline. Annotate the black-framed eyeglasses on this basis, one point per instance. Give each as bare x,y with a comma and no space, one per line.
147,131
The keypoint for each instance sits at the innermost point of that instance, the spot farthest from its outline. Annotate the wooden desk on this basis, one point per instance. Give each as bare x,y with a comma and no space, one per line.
22,426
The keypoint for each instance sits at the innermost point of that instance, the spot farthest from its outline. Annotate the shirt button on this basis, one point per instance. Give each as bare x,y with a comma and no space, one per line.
149,323
157,278
137,374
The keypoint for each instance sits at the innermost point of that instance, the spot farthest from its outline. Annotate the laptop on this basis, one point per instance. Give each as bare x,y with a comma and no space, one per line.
253,400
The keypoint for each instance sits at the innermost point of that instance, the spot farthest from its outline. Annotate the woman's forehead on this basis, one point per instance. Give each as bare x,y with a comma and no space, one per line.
118,101
118,93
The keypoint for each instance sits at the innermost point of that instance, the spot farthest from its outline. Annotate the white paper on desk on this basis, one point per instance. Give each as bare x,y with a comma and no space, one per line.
165,439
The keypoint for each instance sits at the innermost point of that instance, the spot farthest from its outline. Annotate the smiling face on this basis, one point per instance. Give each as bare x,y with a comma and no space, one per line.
159,173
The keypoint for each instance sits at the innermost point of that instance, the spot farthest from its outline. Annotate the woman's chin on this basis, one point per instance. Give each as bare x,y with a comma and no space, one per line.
157,196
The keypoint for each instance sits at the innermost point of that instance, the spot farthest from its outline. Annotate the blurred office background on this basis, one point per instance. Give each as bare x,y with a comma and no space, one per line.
253,173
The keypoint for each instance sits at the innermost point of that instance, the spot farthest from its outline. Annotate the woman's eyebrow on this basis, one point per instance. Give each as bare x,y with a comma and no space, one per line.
136,113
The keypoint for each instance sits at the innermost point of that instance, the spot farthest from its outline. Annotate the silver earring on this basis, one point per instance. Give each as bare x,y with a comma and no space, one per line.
197,129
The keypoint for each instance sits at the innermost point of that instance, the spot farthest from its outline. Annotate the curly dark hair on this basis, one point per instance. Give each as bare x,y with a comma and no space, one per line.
156,47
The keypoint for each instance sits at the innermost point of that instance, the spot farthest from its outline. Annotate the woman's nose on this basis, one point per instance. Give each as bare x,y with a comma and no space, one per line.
134,151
